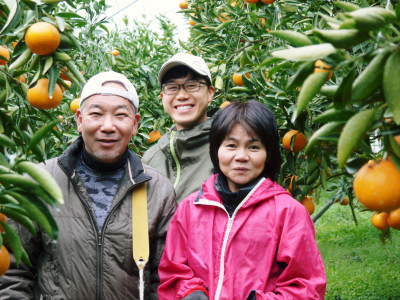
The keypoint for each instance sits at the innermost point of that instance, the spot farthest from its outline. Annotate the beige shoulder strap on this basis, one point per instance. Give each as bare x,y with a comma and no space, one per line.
140,232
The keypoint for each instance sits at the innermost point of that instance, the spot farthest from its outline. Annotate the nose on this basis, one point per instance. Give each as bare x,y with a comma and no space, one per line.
241,154
108,124
182,94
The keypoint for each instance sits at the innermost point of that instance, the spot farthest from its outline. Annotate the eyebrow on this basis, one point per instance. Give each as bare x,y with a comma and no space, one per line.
100,107
252,140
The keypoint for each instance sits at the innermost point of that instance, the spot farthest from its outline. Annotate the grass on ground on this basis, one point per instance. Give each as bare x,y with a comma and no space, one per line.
357,264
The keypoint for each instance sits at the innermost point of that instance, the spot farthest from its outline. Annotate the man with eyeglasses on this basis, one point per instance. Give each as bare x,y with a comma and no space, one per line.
182,154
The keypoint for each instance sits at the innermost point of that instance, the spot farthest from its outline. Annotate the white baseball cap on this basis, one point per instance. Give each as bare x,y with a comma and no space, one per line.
196,63
95,86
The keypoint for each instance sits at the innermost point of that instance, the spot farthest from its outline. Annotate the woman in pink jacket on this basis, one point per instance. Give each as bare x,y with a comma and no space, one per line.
242,236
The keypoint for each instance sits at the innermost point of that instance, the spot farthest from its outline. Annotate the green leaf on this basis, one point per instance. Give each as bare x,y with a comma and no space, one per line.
352,134
343,92
312,52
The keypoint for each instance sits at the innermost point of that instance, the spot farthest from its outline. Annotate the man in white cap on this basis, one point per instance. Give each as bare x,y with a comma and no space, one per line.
182,154
92,258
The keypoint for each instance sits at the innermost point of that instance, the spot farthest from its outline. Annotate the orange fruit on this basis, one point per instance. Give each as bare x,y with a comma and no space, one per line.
376,185
183,4
299,143
223,17
321,66
115,52
293,179
63,74
4,55
397,139
394,219
3,218
380,220
38,96
237,78
42,38
191,22
345,201
224,104
251,1
22,78
74,105
153,136
267,1
308,203
5,260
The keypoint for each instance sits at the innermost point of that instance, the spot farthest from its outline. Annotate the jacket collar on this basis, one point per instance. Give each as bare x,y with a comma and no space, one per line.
264,190
187,139
69,158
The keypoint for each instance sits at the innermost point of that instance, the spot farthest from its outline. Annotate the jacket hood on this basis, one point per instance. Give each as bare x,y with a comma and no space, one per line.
69,158
263,190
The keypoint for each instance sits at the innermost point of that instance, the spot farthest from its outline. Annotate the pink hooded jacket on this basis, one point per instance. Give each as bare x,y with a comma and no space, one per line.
267,246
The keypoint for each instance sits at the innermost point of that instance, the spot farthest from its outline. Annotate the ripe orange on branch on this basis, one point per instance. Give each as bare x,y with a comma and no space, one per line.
38,96
299,142
5,260
224,104
379,220
308,203
4,55
393,219
74,105
3,218
183,4
115,52
321,66
154,136
237,78
376,185
42,38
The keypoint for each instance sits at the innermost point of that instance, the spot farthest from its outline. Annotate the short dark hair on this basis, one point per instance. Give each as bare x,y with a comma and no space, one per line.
256,118
183,71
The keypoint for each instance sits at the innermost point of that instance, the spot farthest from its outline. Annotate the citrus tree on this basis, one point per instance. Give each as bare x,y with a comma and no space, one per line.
47,50
328,71
38,74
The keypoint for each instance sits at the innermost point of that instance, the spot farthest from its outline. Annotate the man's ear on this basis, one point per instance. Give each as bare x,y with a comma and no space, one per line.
137,118
78,119
211,92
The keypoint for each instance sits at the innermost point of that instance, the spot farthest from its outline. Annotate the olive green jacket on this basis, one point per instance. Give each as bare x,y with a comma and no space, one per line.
184,157
85,264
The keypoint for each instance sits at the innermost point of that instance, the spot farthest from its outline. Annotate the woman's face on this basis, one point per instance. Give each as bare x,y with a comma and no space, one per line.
241,156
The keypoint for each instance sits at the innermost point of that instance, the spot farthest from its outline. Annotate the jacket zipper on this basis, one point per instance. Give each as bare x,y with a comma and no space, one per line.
98,239
226,236
222,259
175,157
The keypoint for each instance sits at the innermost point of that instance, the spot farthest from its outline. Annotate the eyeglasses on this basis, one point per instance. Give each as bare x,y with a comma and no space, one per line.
188,86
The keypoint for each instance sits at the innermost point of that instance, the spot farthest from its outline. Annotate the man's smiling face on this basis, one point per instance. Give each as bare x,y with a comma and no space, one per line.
187,109
107,124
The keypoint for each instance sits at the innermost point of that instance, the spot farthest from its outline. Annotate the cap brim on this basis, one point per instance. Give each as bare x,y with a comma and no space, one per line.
173,64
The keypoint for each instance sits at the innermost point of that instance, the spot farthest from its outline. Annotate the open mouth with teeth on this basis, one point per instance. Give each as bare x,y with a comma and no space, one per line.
183,107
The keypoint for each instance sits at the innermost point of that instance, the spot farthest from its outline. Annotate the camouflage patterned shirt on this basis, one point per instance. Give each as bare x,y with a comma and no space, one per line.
101,182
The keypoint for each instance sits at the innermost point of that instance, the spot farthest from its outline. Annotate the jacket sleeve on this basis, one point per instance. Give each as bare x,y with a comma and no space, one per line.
19,281
177,279
166,196
299,267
